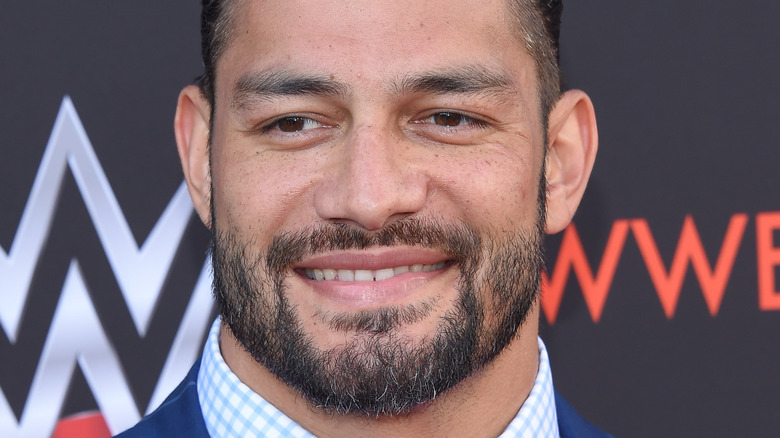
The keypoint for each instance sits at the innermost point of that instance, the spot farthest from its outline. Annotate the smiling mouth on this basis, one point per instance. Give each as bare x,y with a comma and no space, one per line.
350,275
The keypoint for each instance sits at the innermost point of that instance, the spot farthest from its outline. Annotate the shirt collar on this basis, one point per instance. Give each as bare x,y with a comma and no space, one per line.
232,410
537,417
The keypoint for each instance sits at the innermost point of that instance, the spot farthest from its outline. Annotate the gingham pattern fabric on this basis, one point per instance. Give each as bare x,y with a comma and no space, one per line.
232,410
537,417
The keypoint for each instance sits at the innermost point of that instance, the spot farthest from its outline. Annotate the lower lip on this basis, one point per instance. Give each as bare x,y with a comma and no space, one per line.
361,294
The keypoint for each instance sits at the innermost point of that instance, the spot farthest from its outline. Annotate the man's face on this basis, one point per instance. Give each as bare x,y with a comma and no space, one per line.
375,171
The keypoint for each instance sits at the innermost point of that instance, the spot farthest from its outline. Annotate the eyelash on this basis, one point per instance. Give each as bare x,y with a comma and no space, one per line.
464,120
276,124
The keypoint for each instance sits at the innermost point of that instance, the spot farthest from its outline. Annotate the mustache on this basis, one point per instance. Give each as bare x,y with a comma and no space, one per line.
459,241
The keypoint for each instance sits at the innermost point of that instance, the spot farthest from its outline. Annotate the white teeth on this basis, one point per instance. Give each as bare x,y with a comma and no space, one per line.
363,275
330,274
345,275
384,274
366,275
400,270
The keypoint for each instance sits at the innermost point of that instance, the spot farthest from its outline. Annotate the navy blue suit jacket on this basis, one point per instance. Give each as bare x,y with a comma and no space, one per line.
180,416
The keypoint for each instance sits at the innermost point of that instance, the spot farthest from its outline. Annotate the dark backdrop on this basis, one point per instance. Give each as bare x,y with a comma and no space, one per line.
685,98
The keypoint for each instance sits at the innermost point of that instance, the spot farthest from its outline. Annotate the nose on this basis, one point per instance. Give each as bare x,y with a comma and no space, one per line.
373,181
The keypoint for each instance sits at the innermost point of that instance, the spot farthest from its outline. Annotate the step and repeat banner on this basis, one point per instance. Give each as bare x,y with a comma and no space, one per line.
661,307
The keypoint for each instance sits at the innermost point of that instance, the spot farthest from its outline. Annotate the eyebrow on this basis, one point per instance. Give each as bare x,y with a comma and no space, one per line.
270,84
253,88
469,79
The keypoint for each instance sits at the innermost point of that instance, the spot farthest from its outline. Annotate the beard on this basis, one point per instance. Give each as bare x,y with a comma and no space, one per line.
380,372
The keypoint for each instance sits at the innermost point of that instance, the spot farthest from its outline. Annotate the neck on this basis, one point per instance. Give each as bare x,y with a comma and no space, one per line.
481,405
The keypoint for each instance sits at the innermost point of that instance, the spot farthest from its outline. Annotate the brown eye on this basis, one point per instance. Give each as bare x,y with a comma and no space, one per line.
448,119
292,124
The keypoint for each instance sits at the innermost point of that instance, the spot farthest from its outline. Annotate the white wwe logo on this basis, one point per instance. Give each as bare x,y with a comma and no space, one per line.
75,334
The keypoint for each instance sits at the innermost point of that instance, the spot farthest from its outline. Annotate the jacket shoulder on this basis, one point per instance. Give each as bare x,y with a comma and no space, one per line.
178,415
571,424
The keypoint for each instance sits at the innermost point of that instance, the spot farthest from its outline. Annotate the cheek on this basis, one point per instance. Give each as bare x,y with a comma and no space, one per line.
258,195
496,189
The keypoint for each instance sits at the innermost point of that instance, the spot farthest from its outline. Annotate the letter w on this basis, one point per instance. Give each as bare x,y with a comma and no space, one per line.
571,255
668,284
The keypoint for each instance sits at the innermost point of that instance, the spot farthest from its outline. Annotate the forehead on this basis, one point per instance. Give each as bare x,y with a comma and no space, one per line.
370,40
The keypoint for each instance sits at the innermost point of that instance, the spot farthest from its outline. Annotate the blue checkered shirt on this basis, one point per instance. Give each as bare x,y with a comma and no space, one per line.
232,410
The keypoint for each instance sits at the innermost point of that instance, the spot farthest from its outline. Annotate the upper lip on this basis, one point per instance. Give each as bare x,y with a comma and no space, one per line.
372,259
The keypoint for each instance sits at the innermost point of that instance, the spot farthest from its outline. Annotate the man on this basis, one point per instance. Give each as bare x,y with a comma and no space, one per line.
377,178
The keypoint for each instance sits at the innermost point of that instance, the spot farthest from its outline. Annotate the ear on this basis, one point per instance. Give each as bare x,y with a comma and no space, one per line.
573,141
191,126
